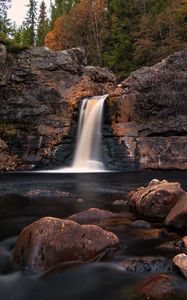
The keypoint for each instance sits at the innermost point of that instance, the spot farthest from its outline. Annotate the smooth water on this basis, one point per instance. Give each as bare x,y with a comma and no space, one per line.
26,197
87,157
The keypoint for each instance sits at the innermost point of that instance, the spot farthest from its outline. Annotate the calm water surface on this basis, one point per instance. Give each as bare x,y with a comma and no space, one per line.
25,197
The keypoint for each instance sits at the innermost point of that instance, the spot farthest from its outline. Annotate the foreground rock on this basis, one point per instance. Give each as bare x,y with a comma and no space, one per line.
92,215
177,216
161,286
180,261
155,200
50,241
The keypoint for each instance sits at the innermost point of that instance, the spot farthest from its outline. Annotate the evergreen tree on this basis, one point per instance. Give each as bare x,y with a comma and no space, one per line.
4,21
29,33
43,25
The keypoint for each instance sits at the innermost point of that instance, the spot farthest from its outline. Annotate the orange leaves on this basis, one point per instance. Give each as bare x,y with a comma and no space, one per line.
82,26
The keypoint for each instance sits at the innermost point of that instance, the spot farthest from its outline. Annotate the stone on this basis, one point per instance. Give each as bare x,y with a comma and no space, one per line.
180,261
99,74
177,216
141,224
146,264
92,215
50,241
155,200
159,286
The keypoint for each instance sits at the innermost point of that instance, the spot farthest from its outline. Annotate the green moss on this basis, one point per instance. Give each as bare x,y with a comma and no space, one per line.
7,131
12,46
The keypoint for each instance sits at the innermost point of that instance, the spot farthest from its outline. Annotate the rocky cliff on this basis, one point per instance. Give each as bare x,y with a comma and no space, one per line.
149,117
40,92
145,119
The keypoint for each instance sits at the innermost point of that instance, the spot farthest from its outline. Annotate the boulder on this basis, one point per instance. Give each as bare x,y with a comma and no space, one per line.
161,286
92,215
180,261
155,200
50,241
177,217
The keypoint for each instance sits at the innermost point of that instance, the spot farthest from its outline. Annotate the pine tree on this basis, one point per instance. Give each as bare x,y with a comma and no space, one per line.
4,21
29,34
43,25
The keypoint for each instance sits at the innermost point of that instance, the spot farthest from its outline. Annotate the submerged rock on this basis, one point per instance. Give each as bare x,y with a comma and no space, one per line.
141,224
159,286
155,200
92,215
50,241
146,264
177,216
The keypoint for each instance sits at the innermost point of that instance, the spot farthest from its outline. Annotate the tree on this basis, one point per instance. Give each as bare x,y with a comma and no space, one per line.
4,21
43,25
82,26
29,34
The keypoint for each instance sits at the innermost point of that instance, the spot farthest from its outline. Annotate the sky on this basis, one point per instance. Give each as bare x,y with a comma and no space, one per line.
18,10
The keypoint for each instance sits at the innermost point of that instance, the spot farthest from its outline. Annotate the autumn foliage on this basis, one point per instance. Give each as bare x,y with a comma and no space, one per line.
83,26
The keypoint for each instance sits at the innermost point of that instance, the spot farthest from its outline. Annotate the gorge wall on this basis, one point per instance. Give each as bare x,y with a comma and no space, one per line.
145,118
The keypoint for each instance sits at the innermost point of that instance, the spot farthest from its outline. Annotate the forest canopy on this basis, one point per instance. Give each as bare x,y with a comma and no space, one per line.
120,34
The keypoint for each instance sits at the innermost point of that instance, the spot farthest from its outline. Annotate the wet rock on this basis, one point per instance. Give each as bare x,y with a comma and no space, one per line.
159,286
177,216
120,203
180,261
151,234
146,264
141,224
155,200
92,215
169,247
50,241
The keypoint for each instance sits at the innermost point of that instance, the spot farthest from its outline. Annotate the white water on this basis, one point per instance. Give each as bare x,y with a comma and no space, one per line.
87,153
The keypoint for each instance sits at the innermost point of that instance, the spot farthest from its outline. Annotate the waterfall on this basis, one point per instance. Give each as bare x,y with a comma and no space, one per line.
87,153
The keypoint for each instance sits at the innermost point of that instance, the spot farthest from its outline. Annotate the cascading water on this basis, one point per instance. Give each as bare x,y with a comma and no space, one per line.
87,153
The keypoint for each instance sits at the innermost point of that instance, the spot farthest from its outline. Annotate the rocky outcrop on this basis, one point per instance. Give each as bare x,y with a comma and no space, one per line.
50,241
40,92
148,113
145,123
156,200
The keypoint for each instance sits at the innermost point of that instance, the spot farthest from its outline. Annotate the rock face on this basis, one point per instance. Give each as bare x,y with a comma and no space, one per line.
155,200
148,112
40,92
50,241
145,123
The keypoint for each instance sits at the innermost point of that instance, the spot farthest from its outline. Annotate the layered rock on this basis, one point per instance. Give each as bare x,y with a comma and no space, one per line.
148,112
